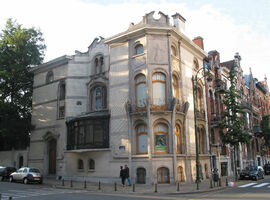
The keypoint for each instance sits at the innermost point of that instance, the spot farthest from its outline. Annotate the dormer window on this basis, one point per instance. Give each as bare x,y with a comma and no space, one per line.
138,49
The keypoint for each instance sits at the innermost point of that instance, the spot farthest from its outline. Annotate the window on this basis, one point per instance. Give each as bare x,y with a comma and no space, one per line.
61,112
141,139
217,103
180,139
62,89
196,65
80,164
141,175
49,77
175,86
202,142
138,49
140,91
88,133
163,175
173,51
199,99
161,138
91,164
98,98
99,64
213,137
159,90
211,102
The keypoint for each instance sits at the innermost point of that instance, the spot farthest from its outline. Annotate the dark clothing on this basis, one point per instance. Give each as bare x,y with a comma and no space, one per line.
123,176
126,172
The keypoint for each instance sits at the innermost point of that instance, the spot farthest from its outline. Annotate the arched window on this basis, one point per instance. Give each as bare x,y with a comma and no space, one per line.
161,138
98,98
163,175
49,77
99,64
180,139
141,175
217,103
180,174
159,90
175,86
91,164
173,51
80,164
138,49
211,102
140,91
196,65
141,139
202,141
199,99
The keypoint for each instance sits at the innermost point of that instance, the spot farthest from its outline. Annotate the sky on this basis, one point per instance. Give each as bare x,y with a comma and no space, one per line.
228,26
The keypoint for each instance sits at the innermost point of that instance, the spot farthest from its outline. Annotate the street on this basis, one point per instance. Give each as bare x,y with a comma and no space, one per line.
252,190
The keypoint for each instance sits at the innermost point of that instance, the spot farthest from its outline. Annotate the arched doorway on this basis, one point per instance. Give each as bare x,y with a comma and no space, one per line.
20,161
180,174
163,175
141,174
52,156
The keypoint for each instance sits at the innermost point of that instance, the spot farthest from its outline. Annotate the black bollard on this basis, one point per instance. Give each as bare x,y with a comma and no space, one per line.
99,185
115,187
0,196
63,182
227,182
211,183
10,198
219,182
178,186
155,187
133,187
85,184
71,185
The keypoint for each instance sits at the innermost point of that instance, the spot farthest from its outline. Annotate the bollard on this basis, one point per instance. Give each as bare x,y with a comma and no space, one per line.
133,187
71,185
10,198
63,182
219,182
178,186
84,183
211,183
99,185
155,187
115,186
227,182
0,196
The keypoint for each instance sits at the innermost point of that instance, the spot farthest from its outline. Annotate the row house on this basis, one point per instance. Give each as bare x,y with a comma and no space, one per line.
124,101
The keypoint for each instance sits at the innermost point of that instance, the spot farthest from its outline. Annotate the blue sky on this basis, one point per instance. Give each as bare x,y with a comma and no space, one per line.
227,26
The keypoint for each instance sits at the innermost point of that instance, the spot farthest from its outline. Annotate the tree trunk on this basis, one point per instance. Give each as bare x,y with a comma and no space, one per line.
234,162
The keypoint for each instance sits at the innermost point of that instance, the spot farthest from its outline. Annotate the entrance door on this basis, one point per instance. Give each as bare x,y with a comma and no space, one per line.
141,173
163,175
52,156
20,161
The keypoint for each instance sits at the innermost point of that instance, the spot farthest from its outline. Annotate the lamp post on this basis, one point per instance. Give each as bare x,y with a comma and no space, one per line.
195,97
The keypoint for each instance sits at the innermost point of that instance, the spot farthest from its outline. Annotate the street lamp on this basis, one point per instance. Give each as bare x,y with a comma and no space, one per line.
195,97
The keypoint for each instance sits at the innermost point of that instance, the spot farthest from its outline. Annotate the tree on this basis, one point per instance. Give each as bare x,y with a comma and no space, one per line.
232,123
20,48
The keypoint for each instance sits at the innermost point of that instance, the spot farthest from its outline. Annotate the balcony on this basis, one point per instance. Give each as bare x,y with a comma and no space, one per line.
220,85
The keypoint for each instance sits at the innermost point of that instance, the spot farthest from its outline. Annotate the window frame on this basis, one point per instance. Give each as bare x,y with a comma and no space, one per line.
49,77
93,97
166,134
138,134
175,84
180,140
137,46
164,106
136,94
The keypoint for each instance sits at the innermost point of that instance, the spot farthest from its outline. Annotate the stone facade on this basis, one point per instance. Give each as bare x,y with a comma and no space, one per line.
127,100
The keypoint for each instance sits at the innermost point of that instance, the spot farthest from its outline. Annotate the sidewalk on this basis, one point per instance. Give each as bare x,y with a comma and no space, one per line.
184,188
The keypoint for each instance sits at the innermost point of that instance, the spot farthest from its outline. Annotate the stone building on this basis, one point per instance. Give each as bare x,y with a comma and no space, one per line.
127,100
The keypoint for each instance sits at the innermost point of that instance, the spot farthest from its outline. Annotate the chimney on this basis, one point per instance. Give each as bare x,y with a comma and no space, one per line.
199,41
179,22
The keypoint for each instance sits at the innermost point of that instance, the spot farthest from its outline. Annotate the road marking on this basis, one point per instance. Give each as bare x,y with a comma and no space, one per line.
261,185
247,185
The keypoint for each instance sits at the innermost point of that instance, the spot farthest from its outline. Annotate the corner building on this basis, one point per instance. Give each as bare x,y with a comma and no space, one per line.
127,100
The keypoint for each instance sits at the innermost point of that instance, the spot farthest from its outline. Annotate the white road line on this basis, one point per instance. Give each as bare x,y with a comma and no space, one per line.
261,185
247,185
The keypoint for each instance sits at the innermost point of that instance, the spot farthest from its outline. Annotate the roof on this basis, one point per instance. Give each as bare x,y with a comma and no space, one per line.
229,64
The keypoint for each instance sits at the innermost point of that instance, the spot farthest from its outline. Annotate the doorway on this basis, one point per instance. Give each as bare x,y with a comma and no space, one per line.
141,174
163,175
52,156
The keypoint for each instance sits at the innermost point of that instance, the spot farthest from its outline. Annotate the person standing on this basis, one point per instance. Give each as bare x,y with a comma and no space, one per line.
127,175
123,175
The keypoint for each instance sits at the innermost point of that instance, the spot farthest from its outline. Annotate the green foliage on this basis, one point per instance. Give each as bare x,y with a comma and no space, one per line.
265,124
232,118
20,48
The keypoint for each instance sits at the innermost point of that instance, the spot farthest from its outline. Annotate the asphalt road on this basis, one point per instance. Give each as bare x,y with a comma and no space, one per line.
250,190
